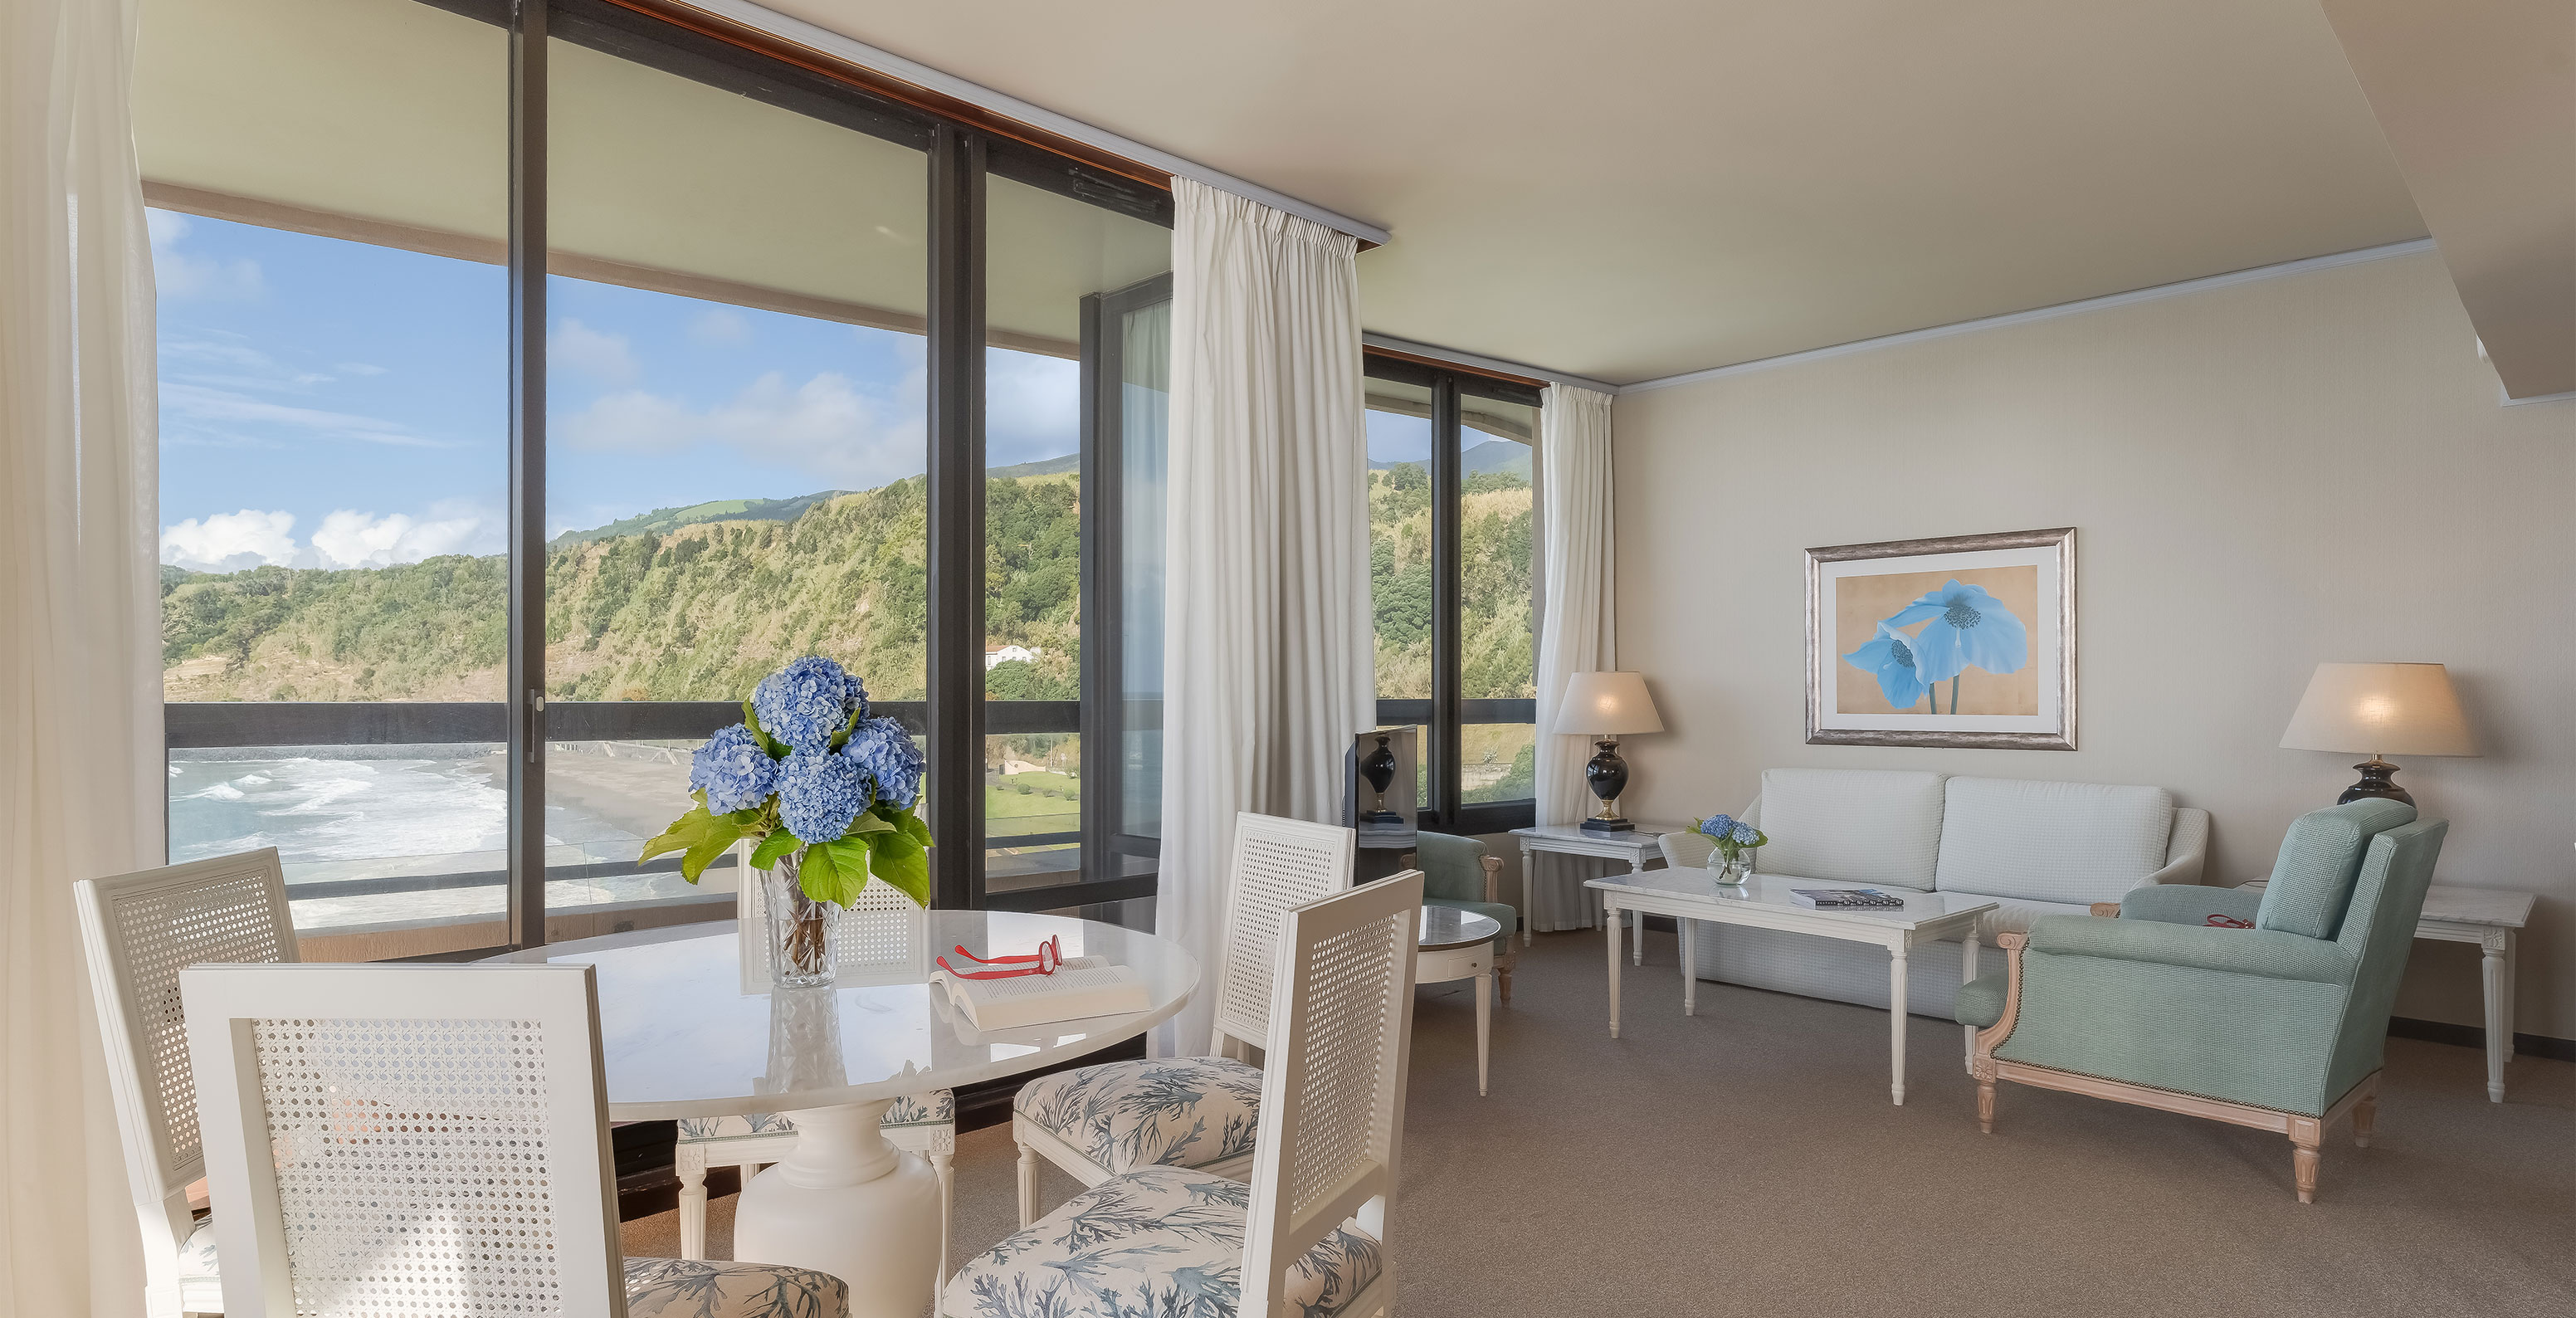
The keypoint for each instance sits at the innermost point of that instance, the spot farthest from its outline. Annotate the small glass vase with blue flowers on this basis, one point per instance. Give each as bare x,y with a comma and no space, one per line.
1733,843
825,795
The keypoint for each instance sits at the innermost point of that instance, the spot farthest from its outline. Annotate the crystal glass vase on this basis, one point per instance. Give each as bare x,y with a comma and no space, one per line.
1730,869
804,934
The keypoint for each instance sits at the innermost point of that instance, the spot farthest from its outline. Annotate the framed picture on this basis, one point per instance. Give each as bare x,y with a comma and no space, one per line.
1960,641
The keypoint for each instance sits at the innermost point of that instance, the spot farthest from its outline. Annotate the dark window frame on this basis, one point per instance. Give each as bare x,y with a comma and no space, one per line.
955,717
1448,711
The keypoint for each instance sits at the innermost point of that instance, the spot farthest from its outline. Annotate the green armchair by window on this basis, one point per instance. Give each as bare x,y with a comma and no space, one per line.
1461,872
2264,1009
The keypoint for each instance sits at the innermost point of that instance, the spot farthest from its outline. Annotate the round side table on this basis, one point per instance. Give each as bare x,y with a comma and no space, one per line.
1455,944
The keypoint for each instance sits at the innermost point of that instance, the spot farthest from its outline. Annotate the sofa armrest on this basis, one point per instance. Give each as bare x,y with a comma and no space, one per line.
2190,904
2267,953
2186,851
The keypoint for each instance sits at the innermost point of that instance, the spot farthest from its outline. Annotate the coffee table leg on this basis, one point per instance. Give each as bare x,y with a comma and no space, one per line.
1690,970
1638,866
847,1203
1968,975
2491,975
1896,1022
1610,927
1484,1026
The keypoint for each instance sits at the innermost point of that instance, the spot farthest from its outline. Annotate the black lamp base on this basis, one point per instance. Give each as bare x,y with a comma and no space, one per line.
2375,774
1608,776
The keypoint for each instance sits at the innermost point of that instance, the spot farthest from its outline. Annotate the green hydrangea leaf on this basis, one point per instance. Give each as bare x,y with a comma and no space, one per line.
751,721
898,859
773,847
835,871
699,837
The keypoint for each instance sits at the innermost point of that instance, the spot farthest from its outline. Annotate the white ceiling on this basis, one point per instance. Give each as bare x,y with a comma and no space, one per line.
1627,189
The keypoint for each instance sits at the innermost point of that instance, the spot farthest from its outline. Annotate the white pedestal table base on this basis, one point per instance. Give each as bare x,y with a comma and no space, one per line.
850,1204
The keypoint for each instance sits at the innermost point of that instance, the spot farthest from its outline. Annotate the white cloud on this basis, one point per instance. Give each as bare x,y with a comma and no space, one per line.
1032,407
179,274
186,407
828,426
716,325
596,353
231,542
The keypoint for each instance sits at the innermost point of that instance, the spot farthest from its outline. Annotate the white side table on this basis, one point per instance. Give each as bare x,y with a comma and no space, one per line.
2489,918
1456,944
1632,848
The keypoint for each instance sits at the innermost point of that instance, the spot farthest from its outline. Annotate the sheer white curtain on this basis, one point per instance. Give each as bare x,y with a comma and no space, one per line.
80,632
1575,631
1267,660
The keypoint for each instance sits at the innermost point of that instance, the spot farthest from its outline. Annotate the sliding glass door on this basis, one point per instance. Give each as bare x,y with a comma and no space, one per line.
538,377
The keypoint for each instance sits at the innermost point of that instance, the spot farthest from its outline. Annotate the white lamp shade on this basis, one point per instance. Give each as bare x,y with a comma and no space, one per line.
2382,709
1608,704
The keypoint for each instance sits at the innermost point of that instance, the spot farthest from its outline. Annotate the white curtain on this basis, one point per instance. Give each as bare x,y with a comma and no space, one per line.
80,632
1575,631
1267,658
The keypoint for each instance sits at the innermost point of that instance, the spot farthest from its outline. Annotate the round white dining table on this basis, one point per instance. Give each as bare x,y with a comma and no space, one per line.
684,1031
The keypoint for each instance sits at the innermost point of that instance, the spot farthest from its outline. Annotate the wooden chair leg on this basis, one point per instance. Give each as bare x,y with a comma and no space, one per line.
2365,1115
1028,1185
692,1171
2306,1133
1986,1104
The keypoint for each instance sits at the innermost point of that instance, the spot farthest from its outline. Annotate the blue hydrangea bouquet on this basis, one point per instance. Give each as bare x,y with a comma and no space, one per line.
825,793
1734,839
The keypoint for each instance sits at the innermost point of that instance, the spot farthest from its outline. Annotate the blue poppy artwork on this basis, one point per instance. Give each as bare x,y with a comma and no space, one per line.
1955,627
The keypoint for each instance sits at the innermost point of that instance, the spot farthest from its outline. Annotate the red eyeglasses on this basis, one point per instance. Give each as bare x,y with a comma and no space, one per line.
1049,958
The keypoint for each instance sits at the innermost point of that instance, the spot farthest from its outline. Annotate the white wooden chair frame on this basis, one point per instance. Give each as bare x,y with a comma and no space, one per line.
1254,915
139,930
1341,1015
226,1005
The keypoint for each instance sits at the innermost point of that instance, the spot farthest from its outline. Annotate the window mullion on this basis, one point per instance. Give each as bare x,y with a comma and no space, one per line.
1443,752
525,719
955,371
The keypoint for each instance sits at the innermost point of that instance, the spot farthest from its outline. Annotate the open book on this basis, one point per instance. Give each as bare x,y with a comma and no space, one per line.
1084,986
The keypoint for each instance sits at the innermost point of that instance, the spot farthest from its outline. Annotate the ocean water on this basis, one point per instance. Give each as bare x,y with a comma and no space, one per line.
317,810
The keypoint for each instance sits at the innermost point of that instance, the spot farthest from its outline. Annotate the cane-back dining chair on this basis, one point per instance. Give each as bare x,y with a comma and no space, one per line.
1195,1112
431,1139
139,930
1307,1236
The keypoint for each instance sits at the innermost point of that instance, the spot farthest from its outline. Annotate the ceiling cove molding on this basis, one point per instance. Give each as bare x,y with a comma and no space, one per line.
1011,107
2131,298
1496,364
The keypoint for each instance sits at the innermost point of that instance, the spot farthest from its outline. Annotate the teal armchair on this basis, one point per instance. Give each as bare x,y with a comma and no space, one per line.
2264,1009
1461,872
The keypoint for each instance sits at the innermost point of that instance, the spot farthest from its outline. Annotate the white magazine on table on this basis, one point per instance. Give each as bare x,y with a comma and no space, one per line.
1081,988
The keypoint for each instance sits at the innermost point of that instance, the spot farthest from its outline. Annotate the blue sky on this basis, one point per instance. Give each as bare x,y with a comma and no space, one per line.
332,404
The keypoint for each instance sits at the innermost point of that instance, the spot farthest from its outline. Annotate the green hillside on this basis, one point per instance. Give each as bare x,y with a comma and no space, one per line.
699,603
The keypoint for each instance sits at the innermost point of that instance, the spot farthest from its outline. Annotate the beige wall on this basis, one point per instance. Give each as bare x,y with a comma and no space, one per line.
2303,468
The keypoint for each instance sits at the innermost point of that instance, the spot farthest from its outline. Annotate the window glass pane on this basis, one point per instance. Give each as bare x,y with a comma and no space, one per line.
1497,654
1399,450
1144,420
735,443
327,238
1045,254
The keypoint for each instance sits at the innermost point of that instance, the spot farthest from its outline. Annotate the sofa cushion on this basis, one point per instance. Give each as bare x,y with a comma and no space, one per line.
1854,825
2051,841
2320,858
2012,915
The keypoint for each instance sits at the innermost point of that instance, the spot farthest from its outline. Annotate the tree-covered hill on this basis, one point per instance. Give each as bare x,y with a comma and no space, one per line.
699,603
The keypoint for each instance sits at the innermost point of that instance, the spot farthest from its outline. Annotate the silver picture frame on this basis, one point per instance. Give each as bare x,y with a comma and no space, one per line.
1821,650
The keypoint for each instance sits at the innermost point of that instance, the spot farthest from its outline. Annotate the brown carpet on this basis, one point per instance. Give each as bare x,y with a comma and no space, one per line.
1747,1161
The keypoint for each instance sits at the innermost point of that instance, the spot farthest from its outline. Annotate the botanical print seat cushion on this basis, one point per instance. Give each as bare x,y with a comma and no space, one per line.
1164,1242
197,1257
936,1108
691,1288
1162,1112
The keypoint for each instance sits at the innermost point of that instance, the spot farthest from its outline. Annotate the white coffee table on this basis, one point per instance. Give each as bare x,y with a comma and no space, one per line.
1455,944
1764,902
1633,848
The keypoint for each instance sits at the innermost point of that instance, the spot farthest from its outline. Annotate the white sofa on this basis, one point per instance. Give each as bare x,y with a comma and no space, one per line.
2036,847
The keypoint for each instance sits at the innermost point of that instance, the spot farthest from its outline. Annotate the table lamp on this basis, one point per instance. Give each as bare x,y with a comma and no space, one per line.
1605,705
2384,709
